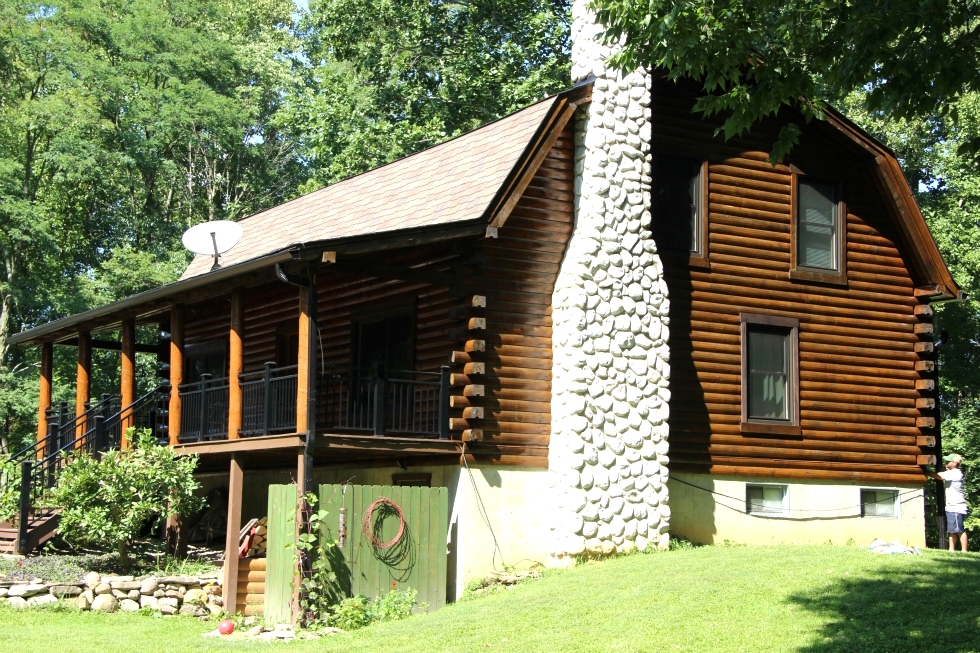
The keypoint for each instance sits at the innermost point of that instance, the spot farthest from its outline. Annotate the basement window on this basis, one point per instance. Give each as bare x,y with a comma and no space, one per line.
879,503
767,500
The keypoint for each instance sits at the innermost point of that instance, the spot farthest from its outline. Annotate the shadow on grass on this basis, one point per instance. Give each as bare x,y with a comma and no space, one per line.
934,606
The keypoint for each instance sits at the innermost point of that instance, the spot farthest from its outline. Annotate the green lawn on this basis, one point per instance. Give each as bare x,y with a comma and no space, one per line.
818,599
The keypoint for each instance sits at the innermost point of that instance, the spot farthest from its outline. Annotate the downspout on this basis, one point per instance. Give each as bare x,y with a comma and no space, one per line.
311,350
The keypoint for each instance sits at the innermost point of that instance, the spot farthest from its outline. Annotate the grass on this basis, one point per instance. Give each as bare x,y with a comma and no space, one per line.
817,599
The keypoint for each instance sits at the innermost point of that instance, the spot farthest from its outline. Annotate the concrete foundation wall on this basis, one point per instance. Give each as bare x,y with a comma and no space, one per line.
817,513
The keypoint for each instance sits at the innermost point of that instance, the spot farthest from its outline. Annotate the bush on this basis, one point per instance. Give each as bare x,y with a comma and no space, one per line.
358,611
108,499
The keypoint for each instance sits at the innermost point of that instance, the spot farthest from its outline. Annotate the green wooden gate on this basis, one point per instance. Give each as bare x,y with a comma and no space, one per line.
417,560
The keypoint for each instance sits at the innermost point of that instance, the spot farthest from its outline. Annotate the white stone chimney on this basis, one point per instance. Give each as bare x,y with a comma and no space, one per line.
608,450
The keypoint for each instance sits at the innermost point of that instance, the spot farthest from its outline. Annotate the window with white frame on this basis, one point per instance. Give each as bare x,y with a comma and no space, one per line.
767,499
879,503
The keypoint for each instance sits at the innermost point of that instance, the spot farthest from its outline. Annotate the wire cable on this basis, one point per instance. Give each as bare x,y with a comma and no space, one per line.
784,515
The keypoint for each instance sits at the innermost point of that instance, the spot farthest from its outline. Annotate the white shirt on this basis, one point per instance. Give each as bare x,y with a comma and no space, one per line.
955,499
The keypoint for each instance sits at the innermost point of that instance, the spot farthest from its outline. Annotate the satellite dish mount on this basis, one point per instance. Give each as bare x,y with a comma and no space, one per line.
212,239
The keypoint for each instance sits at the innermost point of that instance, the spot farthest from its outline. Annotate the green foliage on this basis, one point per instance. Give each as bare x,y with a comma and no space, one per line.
390,77
10,475
107,500
319,556
913,57
359,611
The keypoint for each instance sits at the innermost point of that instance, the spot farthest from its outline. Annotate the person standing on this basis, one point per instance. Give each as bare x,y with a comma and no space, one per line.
952,478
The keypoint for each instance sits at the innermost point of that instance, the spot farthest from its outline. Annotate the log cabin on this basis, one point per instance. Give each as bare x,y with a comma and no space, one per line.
594,321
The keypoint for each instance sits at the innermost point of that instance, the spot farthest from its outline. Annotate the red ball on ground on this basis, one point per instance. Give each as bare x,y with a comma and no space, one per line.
226,627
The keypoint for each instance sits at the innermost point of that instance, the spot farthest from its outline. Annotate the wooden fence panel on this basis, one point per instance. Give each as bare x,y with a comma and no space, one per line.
280,554
416,561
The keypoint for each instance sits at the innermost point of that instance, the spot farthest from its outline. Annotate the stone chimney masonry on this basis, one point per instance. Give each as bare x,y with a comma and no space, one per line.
608,451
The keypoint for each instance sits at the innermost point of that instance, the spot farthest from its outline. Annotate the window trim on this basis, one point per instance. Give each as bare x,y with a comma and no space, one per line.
758,425
819,275
897,513
699,258
784,511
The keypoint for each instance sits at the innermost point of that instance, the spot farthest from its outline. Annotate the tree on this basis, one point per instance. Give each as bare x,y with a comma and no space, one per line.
108,499
912,57
121,124
386,78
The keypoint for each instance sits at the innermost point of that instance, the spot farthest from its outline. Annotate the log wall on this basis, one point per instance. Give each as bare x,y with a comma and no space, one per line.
859,359
505,412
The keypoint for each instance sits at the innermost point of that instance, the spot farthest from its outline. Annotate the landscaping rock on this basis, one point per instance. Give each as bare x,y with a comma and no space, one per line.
82,601
128,605
103,588
149,602
17,602
88,595
167,605
193,610
27,590
149,585
195,596
92,579
119,594
3,592
64,591
134,595
105,603
41,599
125,585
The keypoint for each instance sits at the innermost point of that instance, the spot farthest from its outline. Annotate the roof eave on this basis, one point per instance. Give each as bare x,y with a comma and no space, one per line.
912,225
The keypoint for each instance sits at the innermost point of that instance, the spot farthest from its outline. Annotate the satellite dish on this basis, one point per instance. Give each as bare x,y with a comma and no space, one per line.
212,238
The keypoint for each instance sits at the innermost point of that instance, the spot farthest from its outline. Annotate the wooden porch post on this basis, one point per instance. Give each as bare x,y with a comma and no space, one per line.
176,372
82,383
235,364
300,523
44,399
229,583
128,378
303,362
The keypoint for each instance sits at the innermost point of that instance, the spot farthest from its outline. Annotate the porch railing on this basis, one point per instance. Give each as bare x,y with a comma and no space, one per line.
204,409
269,400
396,402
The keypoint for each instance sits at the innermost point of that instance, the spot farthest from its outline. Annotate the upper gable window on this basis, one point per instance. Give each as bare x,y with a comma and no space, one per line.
819,231
678,205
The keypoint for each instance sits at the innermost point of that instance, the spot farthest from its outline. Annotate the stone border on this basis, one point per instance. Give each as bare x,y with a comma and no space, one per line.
197,596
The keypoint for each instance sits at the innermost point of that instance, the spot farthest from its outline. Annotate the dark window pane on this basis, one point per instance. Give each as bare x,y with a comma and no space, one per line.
677,204
769,386
817,225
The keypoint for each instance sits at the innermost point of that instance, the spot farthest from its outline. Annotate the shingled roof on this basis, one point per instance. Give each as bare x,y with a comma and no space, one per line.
462,186
453,182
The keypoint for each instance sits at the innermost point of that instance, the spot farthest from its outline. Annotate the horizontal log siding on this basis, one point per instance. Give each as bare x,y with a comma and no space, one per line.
857,363
517,400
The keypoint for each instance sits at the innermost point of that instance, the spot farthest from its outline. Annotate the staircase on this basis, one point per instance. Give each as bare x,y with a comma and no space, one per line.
41,527
96,430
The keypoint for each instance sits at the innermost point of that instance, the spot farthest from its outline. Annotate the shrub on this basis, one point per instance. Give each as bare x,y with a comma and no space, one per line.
9,489
358,611
108,499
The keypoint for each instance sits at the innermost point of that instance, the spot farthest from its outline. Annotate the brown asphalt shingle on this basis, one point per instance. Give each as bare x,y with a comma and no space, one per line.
451,182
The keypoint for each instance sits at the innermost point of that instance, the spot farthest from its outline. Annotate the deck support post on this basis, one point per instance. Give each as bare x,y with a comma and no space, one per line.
44,400
128,379
229,585
82,385
176,372
235,364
